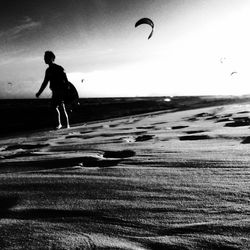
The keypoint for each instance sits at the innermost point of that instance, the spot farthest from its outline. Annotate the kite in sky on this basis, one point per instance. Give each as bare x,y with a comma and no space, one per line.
148,21
234,72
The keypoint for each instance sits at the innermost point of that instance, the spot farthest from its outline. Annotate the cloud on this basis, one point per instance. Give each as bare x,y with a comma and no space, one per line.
27,24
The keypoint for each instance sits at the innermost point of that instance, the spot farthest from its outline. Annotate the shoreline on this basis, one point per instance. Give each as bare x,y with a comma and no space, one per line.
24,116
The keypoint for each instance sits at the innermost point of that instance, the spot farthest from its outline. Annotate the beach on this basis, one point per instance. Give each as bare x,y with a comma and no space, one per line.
175,176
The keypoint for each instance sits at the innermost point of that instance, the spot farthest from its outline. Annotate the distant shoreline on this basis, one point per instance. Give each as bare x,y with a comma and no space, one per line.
29,115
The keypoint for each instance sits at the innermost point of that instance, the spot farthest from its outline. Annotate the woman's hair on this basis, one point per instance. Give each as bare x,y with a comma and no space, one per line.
50,54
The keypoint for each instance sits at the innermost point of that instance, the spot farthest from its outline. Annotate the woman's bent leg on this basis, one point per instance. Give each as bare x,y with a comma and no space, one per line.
66,115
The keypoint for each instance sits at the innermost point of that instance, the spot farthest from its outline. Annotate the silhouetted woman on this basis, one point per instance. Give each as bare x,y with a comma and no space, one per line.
58,84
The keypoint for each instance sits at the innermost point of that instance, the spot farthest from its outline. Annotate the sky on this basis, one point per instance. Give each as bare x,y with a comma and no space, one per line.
195,48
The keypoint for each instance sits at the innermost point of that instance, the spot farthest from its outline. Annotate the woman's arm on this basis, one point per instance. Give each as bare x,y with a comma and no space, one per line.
43,86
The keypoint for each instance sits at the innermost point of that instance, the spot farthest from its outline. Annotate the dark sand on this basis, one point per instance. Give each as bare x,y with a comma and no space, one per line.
163,180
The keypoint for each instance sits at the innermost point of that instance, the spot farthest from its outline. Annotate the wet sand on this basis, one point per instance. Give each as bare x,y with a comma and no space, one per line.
161,180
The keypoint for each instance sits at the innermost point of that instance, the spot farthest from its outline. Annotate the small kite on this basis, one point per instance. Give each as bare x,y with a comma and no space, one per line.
148,21
234,72
222,59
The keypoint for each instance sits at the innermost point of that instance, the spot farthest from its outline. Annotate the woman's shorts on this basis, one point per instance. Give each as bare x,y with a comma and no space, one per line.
57,98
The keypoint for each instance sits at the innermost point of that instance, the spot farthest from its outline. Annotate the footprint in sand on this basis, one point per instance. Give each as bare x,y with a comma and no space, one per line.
246,140
74,137
195,132
122,129
159,123
239,122
244,112
99,162
119,154
86,132
114,125
146,127
140,138
192,119
25,146
214,117
144,138
194,137
198,116
94,128
179,127
224,120
203,115
210,116
227,115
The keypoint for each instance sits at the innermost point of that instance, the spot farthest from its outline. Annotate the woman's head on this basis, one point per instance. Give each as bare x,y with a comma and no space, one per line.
49,57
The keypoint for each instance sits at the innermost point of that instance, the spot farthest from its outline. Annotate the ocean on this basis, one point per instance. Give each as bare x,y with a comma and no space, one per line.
26,115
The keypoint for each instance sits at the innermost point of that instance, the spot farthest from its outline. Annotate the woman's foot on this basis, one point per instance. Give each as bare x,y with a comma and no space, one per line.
59,126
